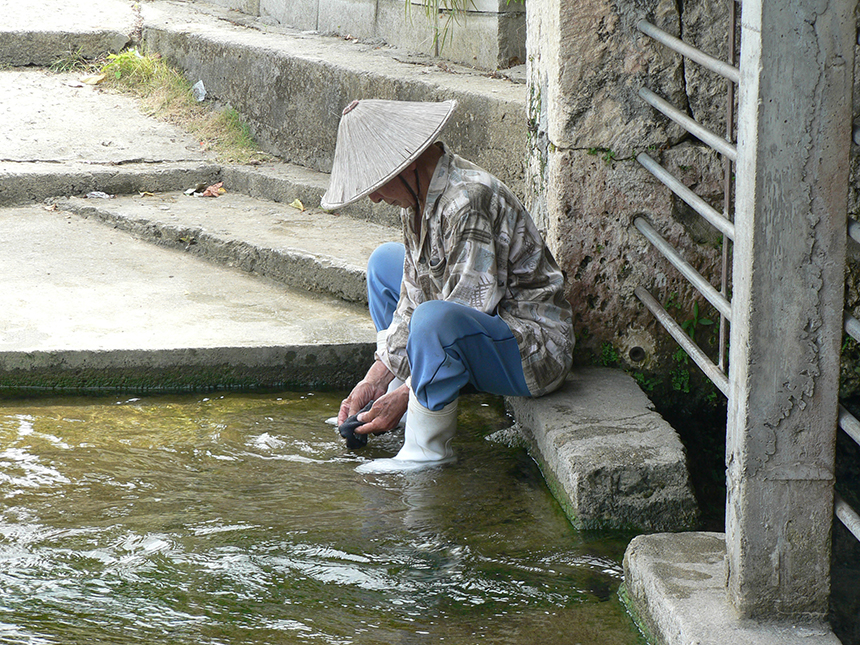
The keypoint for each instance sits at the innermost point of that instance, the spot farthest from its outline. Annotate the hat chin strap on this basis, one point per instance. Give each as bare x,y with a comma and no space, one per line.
412,192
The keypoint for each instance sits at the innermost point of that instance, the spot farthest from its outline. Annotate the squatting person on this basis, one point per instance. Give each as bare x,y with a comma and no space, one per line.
472,296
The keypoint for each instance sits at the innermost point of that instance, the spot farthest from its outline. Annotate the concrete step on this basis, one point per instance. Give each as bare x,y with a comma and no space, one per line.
88,307
676,590
38,33
285,182
63,137
311,249
292,86
608,457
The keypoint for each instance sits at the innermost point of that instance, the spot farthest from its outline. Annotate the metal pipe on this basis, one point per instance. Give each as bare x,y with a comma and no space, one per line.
692,199
689,124
847,515
693,351
705,288
728,193
852,326
849,423
676,44
854,229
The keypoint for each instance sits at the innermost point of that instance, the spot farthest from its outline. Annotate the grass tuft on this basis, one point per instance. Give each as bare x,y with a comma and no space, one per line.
71,62
165,94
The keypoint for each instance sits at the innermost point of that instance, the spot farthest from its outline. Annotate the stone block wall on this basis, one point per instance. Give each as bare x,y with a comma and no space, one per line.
490,35
586,63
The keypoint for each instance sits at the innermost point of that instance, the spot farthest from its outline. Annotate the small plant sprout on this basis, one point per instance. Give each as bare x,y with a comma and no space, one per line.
692,324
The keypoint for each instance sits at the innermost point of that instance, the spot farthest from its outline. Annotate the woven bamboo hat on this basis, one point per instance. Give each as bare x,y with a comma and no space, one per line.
376,140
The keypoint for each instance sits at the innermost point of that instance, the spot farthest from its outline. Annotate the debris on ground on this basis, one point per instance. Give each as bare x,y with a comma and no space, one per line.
214,190
198,91
93,79
202,190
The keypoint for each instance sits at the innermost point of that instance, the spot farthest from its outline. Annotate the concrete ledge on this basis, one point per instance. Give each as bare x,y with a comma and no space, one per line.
676,586
304,366
488,35
25,183
609,458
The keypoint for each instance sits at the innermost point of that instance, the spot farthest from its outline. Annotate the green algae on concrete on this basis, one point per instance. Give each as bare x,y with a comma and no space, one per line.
310,367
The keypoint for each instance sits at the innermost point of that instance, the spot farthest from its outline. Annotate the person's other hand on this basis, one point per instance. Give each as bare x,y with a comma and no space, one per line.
386,412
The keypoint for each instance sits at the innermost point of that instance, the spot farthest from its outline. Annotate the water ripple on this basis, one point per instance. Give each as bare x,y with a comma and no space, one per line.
239,518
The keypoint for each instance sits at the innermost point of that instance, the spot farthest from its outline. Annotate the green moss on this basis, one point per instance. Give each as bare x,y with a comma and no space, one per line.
645,636
609,355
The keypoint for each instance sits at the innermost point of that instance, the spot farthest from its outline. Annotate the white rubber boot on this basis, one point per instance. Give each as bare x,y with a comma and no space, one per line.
426,440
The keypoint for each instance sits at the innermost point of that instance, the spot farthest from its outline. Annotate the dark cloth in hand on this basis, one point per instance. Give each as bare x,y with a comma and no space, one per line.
347,429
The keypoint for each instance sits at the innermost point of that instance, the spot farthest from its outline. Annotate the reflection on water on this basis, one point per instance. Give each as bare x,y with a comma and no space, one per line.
239,518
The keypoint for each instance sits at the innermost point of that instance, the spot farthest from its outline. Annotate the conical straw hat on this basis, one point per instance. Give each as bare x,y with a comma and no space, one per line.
376,140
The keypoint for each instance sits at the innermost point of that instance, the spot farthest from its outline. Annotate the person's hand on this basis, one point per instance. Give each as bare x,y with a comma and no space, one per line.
386,412
361,395
371,387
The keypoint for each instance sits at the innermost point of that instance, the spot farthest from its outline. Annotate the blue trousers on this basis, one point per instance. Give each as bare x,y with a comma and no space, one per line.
449,344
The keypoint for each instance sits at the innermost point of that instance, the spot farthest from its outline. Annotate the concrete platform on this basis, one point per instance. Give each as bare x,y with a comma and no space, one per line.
676,587
87,306
609,458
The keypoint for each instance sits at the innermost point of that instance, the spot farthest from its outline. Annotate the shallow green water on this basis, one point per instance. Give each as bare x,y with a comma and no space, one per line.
238,518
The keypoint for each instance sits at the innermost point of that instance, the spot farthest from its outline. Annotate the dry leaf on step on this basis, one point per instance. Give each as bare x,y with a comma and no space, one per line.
93,79
214,190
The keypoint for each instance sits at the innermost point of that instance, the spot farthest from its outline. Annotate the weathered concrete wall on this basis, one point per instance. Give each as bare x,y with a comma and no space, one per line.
490,35
796,78
585,66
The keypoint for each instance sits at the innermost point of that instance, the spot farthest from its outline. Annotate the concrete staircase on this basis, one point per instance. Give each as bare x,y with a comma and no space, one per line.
146,287
292,86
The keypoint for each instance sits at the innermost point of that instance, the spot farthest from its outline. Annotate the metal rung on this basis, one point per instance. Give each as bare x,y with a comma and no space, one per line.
854,229
690,125
705,288
676,44
695,202
849,423
847,515
693,351
852,326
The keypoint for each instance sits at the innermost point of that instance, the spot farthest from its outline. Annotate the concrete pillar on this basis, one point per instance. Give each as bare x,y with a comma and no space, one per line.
792,172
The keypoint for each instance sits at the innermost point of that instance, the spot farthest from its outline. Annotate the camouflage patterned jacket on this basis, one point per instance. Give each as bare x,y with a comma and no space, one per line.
477,245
